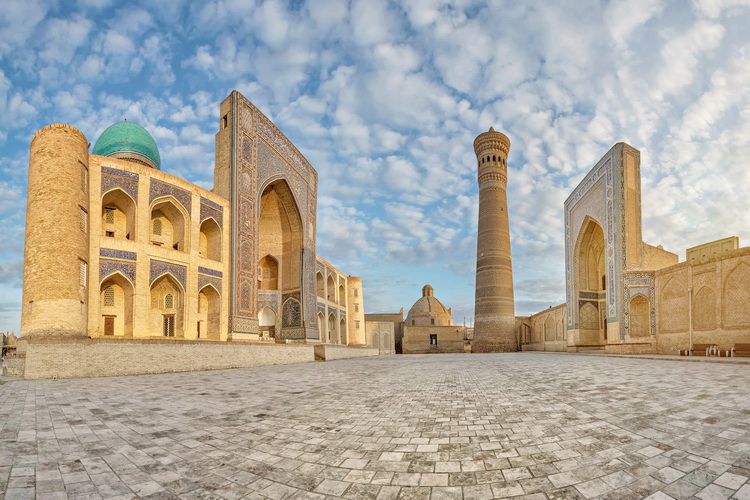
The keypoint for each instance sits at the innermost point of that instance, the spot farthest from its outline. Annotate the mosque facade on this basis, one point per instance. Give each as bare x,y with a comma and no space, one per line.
118,250
626,296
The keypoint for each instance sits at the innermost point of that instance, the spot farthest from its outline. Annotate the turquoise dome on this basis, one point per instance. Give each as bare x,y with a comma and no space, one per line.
128,141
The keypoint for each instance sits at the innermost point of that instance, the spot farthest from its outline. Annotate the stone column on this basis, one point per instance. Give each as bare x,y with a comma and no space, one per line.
494,314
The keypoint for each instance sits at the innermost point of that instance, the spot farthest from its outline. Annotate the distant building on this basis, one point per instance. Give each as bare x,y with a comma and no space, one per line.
429,328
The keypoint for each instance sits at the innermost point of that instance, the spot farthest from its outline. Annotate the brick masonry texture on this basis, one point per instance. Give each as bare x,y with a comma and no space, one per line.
442,426
105,358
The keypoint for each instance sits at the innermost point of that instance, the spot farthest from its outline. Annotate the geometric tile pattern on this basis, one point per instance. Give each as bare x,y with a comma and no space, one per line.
117,254
449,426
211,209
116,178
159,267
108,266
159,188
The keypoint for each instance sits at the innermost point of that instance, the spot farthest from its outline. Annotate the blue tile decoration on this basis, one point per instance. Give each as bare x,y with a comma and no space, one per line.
204,280
108,267
291,334
210,272
117,254
159,188
159,268
211,209
239,324
116,178
291,313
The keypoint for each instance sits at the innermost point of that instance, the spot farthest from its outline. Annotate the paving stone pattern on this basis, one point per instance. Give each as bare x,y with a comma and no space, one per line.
533,426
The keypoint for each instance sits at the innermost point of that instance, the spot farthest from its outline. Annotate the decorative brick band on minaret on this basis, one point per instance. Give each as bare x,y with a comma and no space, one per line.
494,314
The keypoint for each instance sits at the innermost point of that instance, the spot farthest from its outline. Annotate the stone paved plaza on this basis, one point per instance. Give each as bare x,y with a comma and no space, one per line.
521,425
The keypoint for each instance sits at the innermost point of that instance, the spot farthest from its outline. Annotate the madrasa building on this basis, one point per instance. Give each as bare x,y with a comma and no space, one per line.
128,269
625,296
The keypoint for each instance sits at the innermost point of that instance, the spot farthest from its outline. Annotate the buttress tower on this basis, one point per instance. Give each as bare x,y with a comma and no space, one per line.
494,314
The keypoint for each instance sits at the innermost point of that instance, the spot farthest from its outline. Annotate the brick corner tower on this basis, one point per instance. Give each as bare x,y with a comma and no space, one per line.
494,314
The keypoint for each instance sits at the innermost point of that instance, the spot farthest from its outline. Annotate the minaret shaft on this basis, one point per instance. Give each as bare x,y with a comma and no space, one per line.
494,315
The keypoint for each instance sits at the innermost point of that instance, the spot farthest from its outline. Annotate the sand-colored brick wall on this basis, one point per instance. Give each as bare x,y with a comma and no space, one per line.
144,324
381,334
328,352
355,311
417,339
547,330
706,300
106,358
657,258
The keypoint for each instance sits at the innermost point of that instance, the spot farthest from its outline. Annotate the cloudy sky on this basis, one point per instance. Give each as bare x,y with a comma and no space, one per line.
385,98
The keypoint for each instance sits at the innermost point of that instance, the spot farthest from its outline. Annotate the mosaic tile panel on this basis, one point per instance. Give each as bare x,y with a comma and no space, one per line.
108,267
291,334
211,209
210,272
291,313
116,178
241,324
158,268
117,254
159,189
204,280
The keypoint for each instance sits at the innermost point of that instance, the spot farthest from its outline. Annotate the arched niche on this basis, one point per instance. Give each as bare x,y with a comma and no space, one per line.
342,295
116,306
320,286
342,332
210,240
118,215
169,224
268,277
209,313
331,286
640,316
267,322
332,337
280,232
167,309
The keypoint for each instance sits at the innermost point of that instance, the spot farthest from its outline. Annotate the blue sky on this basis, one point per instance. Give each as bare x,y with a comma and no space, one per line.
385,99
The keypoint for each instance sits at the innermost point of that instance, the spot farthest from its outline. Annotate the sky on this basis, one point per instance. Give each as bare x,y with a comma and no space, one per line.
385,99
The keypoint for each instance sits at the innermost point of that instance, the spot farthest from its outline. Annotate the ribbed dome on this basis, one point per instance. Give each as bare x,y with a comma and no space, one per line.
128,141
428,311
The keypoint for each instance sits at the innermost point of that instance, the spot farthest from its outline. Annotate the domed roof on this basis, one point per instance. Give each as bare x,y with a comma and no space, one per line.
427,309
128,141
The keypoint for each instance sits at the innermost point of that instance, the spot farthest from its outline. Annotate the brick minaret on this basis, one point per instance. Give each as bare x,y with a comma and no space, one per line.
494,315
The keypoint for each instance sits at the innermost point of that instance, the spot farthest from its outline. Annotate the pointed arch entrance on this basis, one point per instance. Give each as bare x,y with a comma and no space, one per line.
591,285
280,243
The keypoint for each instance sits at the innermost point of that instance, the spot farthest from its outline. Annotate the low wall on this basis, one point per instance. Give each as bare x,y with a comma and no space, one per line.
327,352
98,358
630,348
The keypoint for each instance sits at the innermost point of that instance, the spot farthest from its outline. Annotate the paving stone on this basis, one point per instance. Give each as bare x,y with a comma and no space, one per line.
446,426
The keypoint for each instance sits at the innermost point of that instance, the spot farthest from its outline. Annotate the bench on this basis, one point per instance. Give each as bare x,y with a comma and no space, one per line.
742,350
703,350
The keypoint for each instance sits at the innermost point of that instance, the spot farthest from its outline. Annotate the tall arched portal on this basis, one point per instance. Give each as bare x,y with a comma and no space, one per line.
591,284
280,242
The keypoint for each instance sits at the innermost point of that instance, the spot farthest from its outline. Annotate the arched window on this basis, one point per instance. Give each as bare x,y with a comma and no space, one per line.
169,301
157,227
